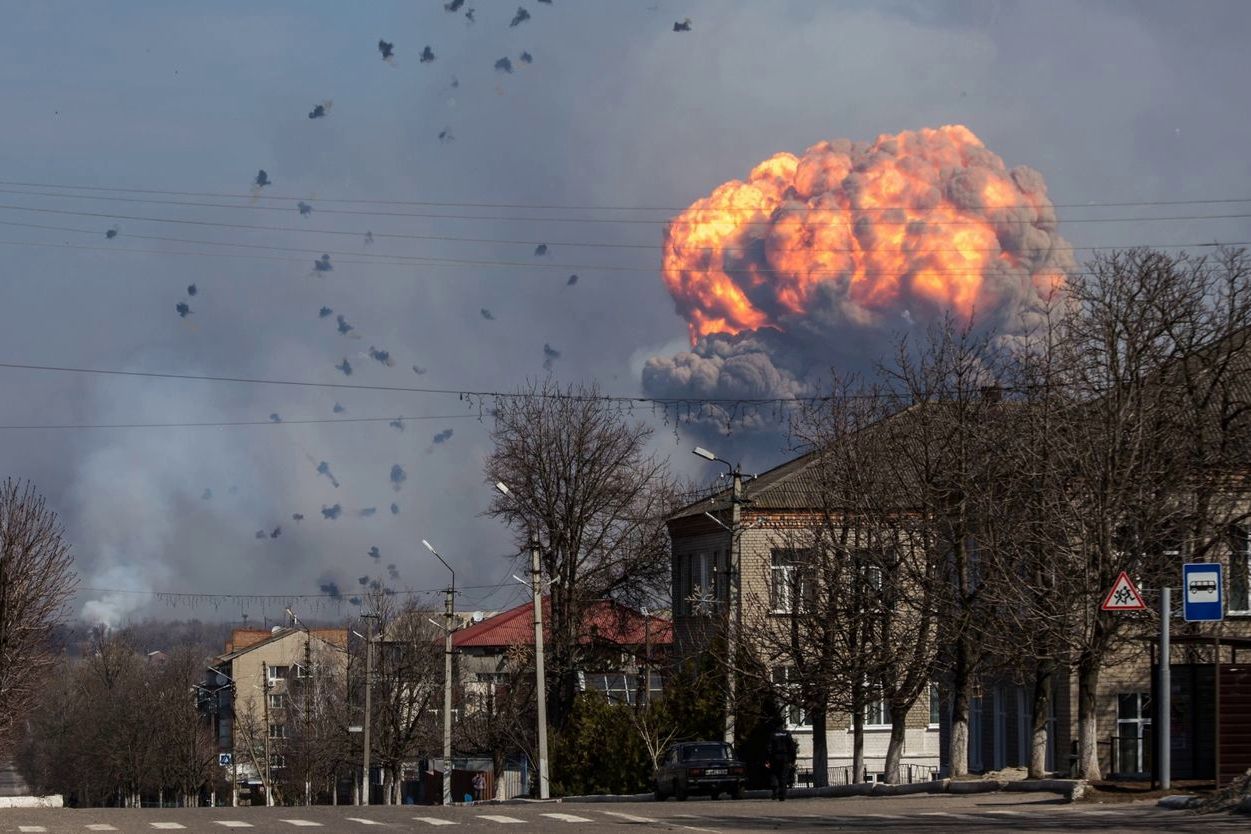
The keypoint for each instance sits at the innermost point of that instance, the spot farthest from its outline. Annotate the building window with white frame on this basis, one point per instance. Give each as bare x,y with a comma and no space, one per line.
789,584
877,714
277,700
702,595
936,706
1240,573
273,674
277,730
786,682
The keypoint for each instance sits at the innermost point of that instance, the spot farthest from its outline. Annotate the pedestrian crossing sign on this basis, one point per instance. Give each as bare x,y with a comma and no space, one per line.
1124,596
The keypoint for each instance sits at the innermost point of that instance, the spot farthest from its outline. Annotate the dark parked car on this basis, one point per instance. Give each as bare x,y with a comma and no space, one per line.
700,767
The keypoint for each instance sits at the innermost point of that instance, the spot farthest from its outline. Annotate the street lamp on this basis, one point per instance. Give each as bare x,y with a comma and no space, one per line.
447,677
540,673
735,615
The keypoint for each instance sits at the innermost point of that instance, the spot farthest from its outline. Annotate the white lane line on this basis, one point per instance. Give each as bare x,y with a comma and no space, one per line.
31,828
566,817
306,823
170,825
434,821
100,826
233,823
628,817
1005,812
363,821
498,818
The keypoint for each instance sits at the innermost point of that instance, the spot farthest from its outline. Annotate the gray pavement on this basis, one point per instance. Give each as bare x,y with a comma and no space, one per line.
922,813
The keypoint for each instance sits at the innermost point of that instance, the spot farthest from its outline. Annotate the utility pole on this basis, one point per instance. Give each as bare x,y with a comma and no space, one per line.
269,770
448,614
369,676
540,676
1163,708
735,619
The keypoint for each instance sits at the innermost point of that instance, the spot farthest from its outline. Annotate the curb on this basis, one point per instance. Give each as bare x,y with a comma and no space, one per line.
1178,802
54,801
1070,789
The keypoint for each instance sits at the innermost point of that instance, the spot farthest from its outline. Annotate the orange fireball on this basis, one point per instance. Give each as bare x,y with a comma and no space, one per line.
927,220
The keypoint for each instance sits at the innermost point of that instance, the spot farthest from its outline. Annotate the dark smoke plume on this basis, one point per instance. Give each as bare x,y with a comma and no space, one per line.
443,436
427,55
332,512
375,553
453,5
345,366
684,26
362,580
504,65
398,477
297,517
550,355
382,356
393,572
520,17
395,508
260,534
339,408
540,250
573,279
324,312
182,309
344,327
191,289
419,370
387,50
486,314
305,208
111,233
397,423
276,532
526,58
469,14
274,418
262,179
320,110
331,589
369,237
366,512
354,600
323,264
445,135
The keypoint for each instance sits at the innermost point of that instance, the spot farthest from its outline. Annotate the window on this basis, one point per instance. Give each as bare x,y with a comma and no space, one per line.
277,730
702,595
277,673
277,701
786,681
303,671
789,586
1240,574
936,706
1133,734
620,687
877,714
277,761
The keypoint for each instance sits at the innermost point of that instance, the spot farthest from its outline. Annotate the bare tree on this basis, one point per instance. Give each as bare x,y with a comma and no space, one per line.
498,716
582,482
36,580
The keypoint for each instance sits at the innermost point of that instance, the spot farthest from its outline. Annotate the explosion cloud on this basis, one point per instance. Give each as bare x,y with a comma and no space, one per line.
520,17
821,259
550,355
332,512
182,309
305,208
427,55
398,477
324,312
344,327
443,436
504,65
323,264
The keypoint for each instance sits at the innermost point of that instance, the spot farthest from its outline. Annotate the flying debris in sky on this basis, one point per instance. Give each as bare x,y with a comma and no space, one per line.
261,534
397,423
320,110
550,355
369,238
684,26
418,370
332,512
345,366
573,279
503,65
206,495
297,517
395,508
323,468
486,314
526,58
344,327
182,309
276,532
354,600
375,553
546,2
427,55
191,289
362,580
111,233
540,250
443,436
469,14
331,589
339,409
366,512
262,179
305,208
520,17
322,264
398,477
274,418
324,312
453,5
387,50
445,135
383,356
393,572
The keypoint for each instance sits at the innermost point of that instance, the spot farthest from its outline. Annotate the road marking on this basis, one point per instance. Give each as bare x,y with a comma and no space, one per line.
31,828
302,822
628,817
935,814
100,826
498,818
434,821
363,821
233,823
167,825
566,817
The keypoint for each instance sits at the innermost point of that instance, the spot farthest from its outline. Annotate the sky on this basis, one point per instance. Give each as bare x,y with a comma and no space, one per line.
1110,102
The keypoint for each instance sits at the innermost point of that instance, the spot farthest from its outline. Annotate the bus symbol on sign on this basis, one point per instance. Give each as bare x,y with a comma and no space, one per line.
1201,592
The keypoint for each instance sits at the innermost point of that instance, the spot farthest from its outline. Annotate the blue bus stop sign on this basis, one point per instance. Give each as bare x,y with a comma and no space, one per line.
1203,592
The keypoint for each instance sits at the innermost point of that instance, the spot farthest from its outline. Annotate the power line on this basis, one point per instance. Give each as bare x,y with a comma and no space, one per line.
463,393
636,221
238,423
207,596
556,206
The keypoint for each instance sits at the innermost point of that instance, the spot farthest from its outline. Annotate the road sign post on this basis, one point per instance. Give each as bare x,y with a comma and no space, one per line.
1203,592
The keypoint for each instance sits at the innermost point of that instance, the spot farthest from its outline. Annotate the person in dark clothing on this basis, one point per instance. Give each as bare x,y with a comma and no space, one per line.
782,752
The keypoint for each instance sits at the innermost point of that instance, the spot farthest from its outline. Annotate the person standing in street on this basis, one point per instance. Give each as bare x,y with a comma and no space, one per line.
782,752
479,785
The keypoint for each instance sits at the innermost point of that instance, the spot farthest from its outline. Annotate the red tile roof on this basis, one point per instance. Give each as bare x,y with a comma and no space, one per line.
603,620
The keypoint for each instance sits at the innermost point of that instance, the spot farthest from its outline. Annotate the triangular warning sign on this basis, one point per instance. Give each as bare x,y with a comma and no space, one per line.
1124,596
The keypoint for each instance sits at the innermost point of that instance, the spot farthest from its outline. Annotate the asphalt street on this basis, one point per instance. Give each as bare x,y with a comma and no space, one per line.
922,813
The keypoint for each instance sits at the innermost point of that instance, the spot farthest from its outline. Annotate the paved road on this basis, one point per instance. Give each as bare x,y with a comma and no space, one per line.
949,814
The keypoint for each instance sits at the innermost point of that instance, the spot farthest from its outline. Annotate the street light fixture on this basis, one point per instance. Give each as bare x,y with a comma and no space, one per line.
448,614
540,672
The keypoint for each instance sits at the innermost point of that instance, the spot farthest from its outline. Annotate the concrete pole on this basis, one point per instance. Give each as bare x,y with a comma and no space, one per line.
540,675
735,615
369,676
447,693
1163,708
269,770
